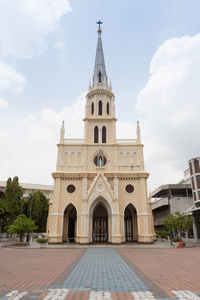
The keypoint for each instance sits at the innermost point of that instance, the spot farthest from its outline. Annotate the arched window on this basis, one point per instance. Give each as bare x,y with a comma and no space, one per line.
108,108
103,134
99,75
100,108
96,134
92,108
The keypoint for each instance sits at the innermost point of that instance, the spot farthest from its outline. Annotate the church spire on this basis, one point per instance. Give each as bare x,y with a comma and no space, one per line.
99,77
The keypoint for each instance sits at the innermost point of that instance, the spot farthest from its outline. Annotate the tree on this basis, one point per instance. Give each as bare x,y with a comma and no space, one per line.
3,215
178,223
22,225
13,199
36,207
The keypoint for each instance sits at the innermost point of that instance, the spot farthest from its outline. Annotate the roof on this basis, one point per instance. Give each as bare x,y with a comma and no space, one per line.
31,186
163,189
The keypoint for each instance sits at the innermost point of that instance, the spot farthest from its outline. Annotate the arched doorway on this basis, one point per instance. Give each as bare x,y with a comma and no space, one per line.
100,224
130,224
70,224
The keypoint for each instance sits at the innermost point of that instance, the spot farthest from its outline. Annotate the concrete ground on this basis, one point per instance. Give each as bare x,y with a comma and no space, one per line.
100,273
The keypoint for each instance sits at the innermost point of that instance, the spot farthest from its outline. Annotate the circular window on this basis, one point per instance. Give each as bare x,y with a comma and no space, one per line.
71,188
100,160
129,188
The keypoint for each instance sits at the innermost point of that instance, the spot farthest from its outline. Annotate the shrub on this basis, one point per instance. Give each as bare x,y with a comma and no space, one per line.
42,240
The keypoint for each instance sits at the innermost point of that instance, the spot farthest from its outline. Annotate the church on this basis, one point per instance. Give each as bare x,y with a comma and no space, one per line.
100,185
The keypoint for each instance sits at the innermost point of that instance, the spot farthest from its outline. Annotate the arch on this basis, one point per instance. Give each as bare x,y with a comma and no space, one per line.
108,108
100,223
130,223
91,208
92,108
96,134
100,108
69,223
104,134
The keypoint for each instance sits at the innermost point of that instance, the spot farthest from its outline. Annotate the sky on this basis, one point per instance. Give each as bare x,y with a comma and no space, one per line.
47,52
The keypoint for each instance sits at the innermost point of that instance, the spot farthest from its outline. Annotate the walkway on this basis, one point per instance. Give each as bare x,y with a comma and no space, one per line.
97,273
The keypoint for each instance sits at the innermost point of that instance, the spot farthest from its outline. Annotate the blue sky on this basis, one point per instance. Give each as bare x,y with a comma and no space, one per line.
55,78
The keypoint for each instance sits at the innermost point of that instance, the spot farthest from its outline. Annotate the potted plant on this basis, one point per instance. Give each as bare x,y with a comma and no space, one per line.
42,241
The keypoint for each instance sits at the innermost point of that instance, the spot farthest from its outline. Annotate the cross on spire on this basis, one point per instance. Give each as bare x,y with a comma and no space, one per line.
99,23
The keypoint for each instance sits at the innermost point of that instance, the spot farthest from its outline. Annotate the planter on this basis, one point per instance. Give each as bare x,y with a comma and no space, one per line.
21,244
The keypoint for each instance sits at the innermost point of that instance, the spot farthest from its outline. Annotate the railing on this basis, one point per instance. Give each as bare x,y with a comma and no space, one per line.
7,239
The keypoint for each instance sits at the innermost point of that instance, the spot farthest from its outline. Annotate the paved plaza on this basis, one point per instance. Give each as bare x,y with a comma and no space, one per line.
100,273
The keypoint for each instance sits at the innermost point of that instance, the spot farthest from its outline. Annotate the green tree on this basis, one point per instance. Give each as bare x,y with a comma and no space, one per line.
178,222
22,225
3,215
36,207
13,199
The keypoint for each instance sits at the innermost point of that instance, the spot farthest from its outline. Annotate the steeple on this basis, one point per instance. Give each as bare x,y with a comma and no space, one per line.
100,79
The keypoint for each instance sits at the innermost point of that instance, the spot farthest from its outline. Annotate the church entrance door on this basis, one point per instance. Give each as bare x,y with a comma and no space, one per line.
100,224
69,224
130,224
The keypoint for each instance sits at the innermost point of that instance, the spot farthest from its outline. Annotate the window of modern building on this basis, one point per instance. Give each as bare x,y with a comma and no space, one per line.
103,134
198,181
194,195
191,172
92,108
193,187
96,134
100,108
108,108
196,166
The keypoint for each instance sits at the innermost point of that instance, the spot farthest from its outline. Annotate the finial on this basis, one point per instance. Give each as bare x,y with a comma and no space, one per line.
138,133
99,29
62,133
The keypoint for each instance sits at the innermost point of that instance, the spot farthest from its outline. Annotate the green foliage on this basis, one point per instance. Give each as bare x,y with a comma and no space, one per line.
36,207
3,215
42,240
175,240
163,234
178,222
22,225
13,199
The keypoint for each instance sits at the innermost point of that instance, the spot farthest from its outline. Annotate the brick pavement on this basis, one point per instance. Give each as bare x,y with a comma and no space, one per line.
171,269
100,273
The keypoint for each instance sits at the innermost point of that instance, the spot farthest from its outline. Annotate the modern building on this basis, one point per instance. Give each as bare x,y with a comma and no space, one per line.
100,185
29,188
194,167
171,198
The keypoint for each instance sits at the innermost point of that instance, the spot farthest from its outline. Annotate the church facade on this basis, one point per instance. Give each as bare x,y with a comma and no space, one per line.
100,185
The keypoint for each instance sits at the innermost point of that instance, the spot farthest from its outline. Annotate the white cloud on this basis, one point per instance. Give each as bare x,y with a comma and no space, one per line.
169,107
24,25
10,79
3,103
29,146
59,45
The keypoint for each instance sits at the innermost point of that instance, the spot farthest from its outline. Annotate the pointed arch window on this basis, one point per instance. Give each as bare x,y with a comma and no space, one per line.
108,108
92,108
96,134
103,134
99,76
100,107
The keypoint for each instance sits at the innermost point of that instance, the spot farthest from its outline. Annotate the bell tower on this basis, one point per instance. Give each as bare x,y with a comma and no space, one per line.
100,121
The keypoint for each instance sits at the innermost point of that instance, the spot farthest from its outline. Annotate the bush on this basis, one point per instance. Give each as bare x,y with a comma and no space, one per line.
42,240
163,234
175,240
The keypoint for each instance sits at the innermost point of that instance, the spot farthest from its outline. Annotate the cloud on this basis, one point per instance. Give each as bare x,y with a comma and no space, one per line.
169,107
29,145
24,25
3,103
59,45
10,79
